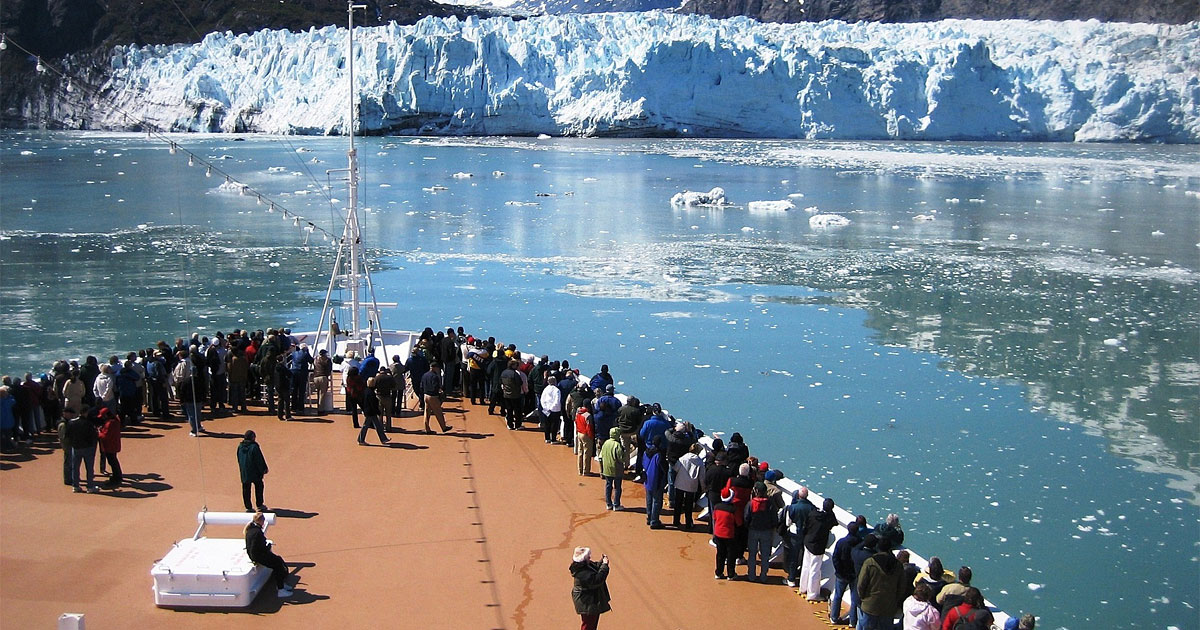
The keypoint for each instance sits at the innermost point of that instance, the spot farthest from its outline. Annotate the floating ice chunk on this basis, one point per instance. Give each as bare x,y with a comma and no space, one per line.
1112,342
461,175
232,186
433,189
782,205
1035,587
521,203
303,150
747,228
924,217
28,152
952,200
796,195
544,136
812,210
498,173
277,169
589,179
1157,233
827,220
714,197
385,185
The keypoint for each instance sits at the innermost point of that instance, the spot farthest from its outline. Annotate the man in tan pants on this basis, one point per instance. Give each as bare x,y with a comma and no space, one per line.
431,385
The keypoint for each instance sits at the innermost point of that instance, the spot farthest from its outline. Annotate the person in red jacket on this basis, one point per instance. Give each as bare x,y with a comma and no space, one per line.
973,608
726,518
110,445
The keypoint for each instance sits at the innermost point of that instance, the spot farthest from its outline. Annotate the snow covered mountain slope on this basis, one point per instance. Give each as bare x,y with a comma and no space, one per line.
663,74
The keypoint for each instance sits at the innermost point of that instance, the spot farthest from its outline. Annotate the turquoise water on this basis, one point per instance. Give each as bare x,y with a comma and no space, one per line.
1017,378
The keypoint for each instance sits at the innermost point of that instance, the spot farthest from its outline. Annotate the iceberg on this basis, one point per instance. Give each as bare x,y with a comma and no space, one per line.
782,205
662,74
827,220
714,197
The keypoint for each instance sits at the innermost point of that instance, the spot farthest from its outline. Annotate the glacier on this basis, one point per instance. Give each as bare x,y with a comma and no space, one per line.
663,74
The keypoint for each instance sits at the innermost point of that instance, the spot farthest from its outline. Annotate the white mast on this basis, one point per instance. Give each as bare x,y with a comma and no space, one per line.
352,227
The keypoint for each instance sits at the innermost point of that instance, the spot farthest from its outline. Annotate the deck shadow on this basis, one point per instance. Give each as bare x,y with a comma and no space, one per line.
286,513
311,419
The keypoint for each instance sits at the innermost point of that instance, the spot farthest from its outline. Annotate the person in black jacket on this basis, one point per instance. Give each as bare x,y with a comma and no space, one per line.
858,556
844,576
82,437
371,411
816,539
259,552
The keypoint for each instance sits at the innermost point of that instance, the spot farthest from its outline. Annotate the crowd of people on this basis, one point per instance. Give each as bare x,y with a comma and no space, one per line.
748,511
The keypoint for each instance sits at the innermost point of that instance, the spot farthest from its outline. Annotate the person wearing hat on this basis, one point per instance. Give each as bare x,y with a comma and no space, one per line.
252,467
321,373
816,538
156,380
612,468
590,592
726,518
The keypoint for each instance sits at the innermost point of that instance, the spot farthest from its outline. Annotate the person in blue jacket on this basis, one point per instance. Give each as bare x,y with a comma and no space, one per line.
655,483
606,407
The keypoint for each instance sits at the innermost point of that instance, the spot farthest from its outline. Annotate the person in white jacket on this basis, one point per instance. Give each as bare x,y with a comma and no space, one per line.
551,403
689,482
105,388
919,613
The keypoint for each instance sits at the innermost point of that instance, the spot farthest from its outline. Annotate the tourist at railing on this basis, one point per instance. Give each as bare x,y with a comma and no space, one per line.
890,529
726,518
816,539
919,613
612,468
845,577
952,594
585,438
761,519
689,482
283,391
880,585
796,519
971,614
935,577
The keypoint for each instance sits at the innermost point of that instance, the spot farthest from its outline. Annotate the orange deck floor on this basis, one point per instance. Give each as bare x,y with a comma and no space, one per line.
468,530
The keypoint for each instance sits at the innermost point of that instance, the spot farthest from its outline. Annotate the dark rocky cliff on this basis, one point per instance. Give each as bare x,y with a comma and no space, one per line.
1165,11
53,28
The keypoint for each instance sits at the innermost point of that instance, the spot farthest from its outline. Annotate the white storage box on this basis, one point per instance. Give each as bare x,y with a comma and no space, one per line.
209,572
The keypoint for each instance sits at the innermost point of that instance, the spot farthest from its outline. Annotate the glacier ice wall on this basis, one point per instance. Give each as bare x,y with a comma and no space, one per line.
664,74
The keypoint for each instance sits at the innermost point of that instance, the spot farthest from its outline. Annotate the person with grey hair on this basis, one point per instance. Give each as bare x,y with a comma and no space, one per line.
1026,622
890,529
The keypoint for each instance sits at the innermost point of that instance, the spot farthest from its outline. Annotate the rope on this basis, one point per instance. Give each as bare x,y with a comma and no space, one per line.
187,318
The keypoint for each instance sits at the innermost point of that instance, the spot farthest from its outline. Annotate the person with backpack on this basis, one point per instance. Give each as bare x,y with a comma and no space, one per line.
972,614
761,519
880,586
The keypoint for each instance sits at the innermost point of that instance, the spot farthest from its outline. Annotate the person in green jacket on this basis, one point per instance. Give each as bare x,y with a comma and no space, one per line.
253,466
880,588
612,468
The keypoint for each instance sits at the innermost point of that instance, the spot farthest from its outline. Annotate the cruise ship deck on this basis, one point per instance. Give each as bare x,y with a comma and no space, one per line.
473,529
